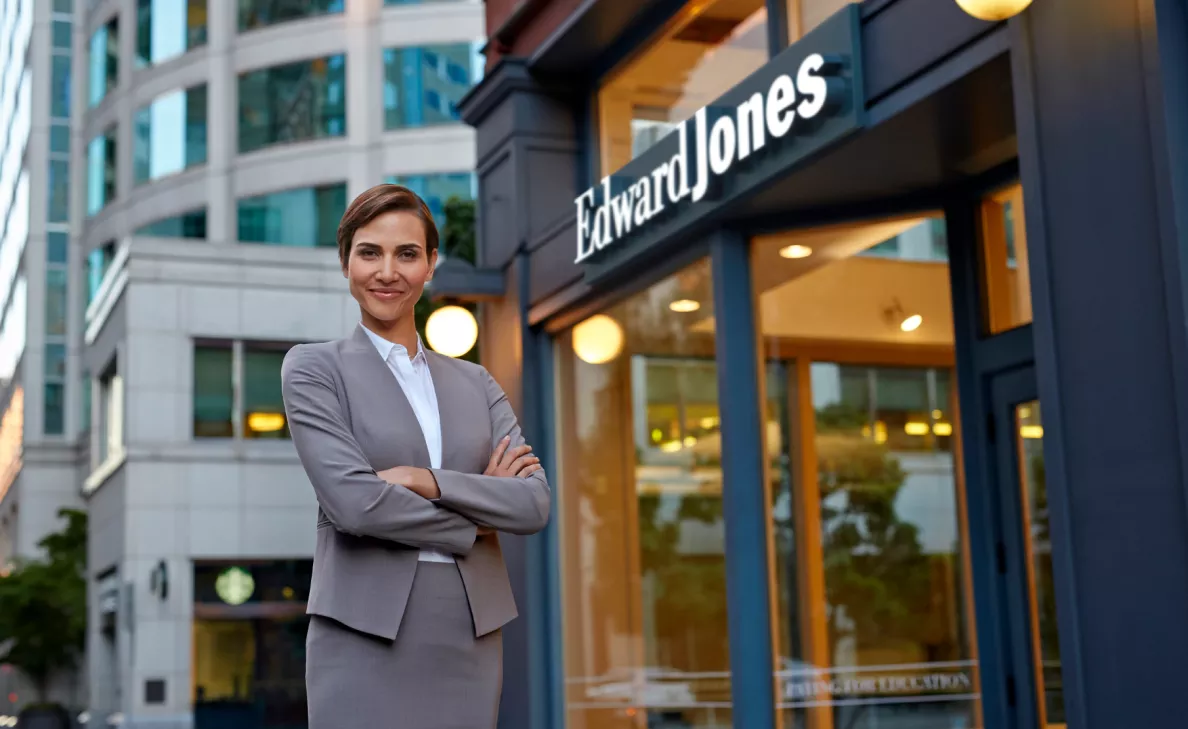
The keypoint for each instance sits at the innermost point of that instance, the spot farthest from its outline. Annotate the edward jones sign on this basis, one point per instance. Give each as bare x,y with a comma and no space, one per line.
801,100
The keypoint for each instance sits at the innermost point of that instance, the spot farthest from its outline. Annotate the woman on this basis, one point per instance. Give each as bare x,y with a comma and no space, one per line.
417,462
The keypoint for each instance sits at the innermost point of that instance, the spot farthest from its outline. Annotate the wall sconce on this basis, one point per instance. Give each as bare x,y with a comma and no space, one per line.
598,339
451,330
896,316
993,10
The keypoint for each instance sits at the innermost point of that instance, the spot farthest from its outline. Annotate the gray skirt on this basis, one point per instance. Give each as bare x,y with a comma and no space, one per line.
435,675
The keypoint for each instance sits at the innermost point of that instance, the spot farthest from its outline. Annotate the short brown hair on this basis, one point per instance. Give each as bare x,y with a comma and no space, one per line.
375,202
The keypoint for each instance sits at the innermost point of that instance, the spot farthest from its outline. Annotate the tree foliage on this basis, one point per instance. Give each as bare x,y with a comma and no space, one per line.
43,605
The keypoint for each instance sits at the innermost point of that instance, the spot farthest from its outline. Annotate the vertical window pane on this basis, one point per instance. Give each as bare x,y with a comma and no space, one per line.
168,28
643,542
55,361
186,225
62,34
1006,273
260,13
423,84
170,134
875,611
60,83
63,6
438,189
263,406
98,261
706,50
55,408
58,204
213,396
55,302
104,61
56,245
101,171
292,103
303,217
60,138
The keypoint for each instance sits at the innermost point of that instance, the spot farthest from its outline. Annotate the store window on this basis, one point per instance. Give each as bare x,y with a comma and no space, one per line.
307,216
424,84
101,171
1005,271
187,225
104,60
874,606
168,28
438,189
295,102
169,135
804,15
257,407
255,14
707,49
640,513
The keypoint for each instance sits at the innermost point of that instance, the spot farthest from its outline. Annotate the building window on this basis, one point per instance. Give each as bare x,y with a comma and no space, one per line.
60,87
104,61
214,399
423,84
168,28
1005,266
58,204
255,14
258,408
642,532
55,379
60,139
438,189
98,262
101,171
186,225
307,216
170,134
110,441
55,301
292,103
62,34
56,245
707,49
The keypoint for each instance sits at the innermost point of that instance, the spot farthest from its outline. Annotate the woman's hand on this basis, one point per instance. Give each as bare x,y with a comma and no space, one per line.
517,461
418,480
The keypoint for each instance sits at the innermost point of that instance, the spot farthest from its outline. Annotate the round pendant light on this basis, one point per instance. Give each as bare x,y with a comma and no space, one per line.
993,10
451,330
598,339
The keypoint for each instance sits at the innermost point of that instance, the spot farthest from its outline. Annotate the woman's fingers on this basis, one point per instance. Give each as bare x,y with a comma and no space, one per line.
529,470
512,455
523,462
497,456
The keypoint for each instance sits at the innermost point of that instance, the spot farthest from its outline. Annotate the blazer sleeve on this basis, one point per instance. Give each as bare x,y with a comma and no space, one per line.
353,497
508,504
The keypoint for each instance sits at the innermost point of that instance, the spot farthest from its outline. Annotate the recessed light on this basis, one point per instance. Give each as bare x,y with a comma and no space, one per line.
796,251
684,306
912,323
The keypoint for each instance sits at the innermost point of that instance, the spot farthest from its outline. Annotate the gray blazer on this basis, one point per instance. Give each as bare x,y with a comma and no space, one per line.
349,419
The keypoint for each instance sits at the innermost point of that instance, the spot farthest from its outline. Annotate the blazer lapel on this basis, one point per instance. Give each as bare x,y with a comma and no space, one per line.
384,393
450,389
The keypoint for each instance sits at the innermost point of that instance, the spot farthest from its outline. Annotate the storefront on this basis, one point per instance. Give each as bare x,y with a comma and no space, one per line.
854,337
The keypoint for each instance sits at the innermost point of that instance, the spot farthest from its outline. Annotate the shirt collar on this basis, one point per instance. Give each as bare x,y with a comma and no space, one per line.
386,348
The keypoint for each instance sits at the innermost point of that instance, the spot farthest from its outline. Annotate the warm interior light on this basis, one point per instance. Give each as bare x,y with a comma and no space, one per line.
657,435
915,428
1031,431
451,330
671,446
598,339
937,414
690,441
684,306
912,323
796,251
943,428
993,10
709,423
265,422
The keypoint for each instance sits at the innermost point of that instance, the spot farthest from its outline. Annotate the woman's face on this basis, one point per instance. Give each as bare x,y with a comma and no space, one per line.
388,266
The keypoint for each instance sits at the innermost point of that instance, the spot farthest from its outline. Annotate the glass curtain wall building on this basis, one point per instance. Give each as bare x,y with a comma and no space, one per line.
216,150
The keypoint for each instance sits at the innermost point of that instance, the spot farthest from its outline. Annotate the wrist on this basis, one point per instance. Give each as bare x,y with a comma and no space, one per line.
428,484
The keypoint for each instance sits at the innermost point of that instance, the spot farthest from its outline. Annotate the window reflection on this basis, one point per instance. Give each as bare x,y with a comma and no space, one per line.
99,261
263,406
306,216
874,608
101,171
261,13
423,84
438,189
292,103
641,514
1006,272
213,391
104,61
170,134
168,28
704,52
186,225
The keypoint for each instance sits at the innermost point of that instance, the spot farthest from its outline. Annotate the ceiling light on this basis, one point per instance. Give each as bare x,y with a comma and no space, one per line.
1032,431
993,10
944,429
796,251
911,323
684,306
915,428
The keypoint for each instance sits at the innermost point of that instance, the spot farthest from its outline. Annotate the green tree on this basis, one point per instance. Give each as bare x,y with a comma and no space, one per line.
457,242
43,605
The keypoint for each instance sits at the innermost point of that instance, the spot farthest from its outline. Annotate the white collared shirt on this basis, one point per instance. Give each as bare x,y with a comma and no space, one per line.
416,381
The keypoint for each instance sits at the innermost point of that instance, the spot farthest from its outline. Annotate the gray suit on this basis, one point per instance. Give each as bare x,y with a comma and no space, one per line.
349,419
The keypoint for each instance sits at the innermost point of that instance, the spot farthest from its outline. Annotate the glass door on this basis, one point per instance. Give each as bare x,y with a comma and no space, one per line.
1018,426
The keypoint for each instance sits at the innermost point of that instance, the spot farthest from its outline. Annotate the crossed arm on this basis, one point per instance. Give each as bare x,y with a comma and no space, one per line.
358,501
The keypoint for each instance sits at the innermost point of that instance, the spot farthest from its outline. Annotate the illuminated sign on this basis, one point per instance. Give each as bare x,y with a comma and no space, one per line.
235,586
